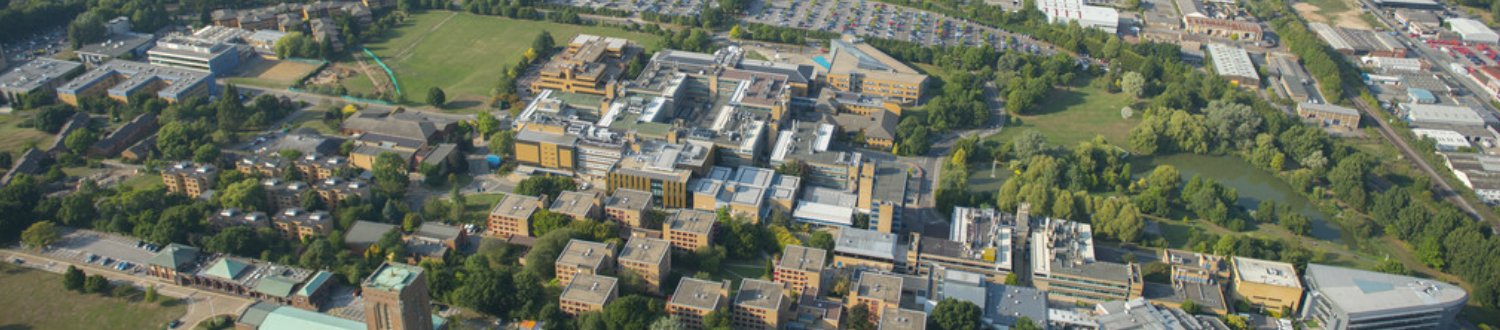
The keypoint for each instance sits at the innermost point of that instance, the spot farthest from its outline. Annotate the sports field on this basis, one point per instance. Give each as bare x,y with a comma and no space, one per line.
36,299
464,53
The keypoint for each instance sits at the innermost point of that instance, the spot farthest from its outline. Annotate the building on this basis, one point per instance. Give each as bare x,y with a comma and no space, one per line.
1410,4
205,50
1141,314
512,215
862,248
1359,41
759,305
1222,28
314,167
1088,16
1393,64
1234,64
577,204
1419,21
253,279
231,217
396,298
751,192
1009,304
902,319
298,224
364,234
1424,115
856,67
284,195
816,313
405,133
120,79
650,259
810,143
39,74
590,65
588,293
173,261
270,167
980,241
882,194
663,169
546,150
1294,81
189,179
878,292
1420,96
1063,264
879,129
629,207
1209,297
1472,30
800,269
1266,285
1445,140
582,257
335,191
695,299
135,130
690,230
1343,298
1479,172
117,45
1329,115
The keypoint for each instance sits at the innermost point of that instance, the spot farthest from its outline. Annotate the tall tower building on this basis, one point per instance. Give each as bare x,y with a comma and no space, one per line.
396,298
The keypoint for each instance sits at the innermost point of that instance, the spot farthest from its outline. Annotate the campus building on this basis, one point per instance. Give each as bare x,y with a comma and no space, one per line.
120,79
119,42
662,169
396,298
260,280
750,192
588,293
283,194
39,74
1233,63
862,248
902,319
628,206
299,224
649,259
577,205
855,66
131,133
695,299
690,230
759,305
318,167
546,150
1343,298
207,49
590,65
189,179
1087,16
270,167
1266,285
800,269
878,292
582,257
1063,264
335,191
512,215
980,241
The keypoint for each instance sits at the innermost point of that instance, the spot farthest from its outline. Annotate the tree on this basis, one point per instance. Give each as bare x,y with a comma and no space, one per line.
390,175
79,141
546,221
954,314
73,279
503,143
1011,279
311,201
436,97
1191,307
1025,323
735,32
631,312
822,240
1133,84
236,240
545,185
544,253
151,295
96,284
667,323
859,318
247,195
40,235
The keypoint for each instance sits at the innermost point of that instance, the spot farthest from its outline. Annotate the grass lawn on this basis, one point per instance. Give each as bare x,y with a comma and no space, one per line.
142,181
464,53
18,138
477,206
313,119
257,82
1069,116
35,299
741,269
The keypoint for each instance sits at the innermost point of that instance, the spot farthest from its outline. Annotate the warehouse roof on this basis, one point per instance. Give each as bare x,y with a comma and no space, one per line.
1232,61
1359,291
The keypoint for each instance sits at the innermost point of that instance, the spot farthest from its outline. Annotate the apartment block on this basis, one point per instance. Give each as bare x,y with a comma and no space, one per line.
270,167
189,179
648,258
1266,285
800,269
902,319
283,194
628,206
335,191
695,299
298,224
315,167
577,204
689,230
878,292
588,293
512,215
582,257
759,305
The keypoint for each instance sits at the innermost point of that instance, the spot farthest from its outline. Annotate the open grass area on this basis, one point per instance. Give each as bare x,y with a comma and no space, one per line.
464,53
36,299
1077,114
18,138
477,206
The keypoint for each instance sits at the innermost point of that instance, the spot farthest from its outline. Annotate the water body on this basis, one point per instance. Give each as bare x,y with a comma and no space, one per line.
1252,183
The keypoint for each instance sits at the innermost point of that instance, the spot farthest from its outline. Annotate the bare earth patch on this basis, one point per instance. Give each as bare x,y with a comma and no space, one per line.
1345,19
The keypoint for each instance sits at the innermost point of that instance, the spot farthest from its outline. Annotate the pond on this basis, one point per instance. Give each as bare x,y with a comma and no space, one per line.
1252,183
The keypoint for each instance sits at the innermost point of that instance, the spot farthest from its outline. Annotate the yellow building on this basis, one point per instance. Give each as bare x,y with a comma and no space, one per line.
1266,285
689,230
858,67
695,299
800,269
512,215
590,65
297,224
902,319
876,291
189,179
649,259
749,192
759,305
546,150
577,204
582,257
588,293
628,206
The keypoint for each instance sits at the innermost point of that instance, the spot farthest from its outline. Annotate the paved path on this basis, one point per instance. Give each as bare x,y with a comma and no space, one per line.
201,305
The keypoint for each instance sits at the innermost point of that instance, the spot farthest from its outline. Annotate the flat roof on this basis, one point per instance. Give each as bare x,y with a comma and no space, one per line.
117,44
29,76
1009,303
516,206
366,233
1266,272
392,276
867,243
1232,61
1329,108
1470,28
629,199
1442,114
646,250
759,294
902,319
1360,291
137,75
1204,294
803,258
574,203
879,286
700,294
585,254
590,289
693,221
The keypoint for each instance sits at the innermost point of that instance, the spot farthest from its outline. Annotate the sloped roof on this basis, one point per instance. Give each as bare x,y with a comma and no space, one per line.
276,286
317,281
173,256
226,268
289,318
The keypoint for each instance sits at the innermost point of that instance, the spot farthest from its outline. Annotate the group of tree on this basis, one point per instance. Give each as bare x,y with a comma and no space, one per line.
145,16
543,185
297,44
26,18
75,280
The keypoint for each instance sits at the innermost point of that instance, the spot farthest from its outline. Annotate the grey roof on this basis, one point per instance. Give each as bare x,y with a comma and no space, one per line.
557,139
137,75
174,256
867,243
440,154
902,319
29,76
405,124
256,313
760,294
629,199
700,294
646,250
439,231
879,286
1232,61
118,44
692,221
1008,303
1329,108
365,233
586,254
1442,114
1360,291
516,206
803,258
1203,294
589,288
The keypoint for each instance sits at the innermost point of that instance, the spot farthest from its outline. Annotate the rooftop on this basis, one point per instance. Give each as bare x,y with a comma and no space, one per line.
854,56
1009,303
1232,61
1442,114
692,220
174,256
585,254
1328,108
700,294
590,289
902,319
126,77
32,75
1204,294
1359,291
646,250
760,294
878,286
363,234
1266,272
118,44
392,276
629,199
803,258
516,206
866,243
574,203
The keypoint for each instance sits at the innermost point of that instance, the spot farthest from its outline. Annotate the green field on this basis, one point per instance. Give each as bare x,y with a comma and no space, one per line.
35,299
464,53
18,138
1077,114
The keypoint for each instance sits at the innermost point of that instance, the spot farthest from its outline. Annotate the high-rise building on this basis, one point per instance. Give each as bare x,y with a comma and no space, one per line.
396,298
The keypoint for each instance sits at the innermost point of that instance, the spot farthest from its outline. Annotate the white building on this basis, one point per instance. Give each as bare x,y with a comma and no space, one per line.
1473,31
1446,140
1234,64
1063,11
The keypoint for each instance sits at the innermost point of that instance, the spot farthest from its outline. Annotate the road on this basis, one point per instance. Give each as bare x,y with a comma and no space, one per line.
201,305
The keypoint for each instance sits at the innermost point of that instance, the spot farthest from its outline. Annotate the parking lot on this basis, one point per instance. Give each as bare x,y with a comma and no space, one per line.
872,19
105,250
672,7
43,45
